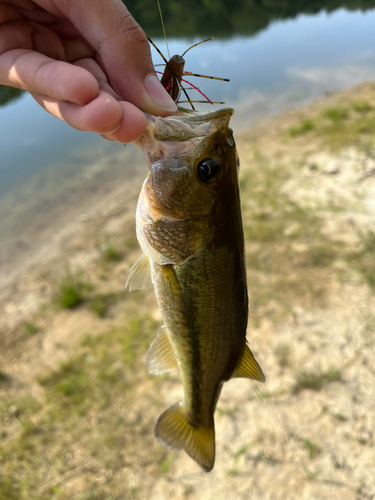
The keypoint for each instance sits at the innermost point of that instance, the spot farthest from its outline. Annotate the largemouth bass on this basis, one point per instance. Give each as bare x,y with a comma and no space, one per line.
189,226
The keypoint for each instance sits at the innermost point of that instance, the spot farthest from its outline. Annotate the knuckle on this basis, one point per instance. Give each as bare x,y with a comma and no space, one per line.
132,31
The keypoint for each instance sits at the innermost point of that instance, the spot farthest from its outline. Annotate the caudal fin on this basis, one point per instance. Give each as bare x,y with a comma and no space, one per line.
173,429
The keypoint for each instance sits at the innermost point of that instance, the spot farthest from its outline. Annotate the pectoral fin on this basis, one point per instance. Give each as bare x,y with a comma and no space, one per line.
160,357
140,274
248,367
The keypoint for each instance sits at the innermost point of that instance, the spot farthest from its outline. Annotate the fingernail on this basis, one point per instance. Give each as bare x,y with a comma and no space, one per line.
158,94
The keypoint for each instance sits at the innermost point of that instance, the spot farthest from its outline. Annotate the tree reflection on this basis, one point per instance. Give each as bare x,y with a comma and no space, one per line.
225,18
8,94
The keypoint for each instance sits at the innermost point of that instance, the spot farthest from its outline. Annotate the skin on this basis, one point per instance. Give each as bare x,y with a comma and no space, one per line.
86,62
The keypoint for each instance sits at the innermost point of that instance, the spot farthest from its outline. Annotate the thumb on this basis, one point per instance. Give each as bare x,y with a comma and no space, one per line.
123,52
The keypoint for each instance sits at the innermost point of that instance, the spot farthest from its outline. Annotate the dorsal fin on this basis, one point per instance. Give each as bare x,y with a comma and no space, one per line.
248,367
140,274
160,357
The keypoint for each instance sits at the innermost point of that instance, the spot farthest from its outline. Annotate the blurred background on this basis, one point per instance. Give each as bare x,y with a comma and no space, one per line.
76,404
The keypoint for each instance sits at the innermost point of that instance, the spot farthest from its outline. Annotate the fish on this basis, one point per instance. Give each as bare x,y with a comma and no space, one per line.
189,226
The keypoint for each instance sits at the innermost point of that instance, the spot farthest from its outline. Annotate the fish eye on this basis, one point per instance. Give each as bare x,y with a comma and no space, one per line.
207,170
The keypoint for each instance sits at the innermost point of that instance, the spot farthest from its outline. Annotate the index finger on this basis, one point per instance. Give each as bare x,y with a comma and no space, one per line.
39,74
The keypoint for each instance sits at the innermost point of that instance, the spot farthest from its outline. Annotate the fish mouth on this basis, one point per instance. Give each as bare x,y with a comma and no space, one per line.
187,125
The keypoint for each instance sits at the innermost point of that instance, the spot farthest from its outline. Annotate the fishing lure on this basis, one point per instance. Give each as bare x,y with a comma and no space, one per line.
174,71
172,78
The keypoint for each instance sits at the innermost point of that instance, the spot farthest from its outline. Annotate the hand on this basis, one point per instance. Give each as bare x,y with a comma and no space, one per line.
86,62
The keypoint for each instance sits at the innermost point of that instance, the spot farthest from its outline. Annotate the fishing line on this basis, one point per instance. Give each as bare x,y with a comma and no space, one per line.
162,23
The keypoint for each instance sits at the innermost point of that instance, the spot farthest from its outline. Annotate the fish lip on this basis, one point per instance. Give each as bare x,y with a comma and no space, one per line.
184,126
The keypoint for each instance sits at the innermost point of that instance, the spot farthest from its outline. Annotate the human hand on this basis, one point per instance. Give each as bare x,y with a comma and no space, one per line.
86,62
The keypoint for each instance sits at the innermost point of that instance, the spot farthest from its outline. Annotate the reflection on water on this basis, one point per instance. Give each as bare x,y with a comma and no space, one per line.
225,18
9,94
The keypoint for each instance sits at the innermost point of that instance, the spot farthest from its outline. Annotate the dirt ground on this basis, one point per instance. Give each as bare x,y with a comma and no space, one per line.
77,406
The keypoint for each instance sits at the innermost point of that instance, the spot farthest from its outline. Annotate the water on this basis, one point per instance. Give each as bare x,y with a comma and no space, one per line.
288,62
272,64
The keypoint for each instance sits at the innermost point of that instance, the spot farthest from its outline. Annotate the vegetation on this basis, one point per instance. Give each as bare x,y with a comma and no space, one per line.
223,18
71,291
312,448
361,106
336,114
31,329
9,94
304,127
10,488
341,126
3,378
282,353
109,252
362,260
99,306
315,380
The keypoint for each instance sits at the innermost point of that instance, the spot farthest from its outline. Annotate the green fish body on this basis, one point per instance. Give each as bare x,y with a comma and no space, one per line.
189,226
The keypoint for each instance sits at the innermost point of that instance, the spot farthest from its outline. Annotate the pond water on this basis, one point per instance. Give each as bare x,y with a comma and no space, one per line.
278,64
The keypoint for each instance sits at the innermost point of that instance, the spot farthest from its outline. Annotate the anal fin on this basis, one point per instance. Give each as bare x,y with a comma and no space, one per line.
140,274
160,357
248,367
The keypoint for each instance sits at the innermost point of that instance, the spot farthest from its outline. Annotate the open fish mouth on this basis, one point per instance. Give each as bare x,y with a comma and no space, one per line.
164,136
190,125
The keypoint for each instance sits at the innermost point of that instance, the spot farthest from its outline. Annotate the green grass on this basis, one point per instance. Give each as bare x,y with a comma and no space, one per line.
282,354
31,329
336,114
301,129
341,126
362,260
339,417
346,130
3,378
166,464
332,375
322,255
10,488
361,107
310,474
315,380
99,306
312,449
308,380
109,252
242,451
72,291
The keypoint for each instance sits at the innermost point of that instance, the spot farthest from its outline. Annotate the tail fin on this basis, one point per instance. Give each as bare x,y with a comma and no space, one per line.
173,429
